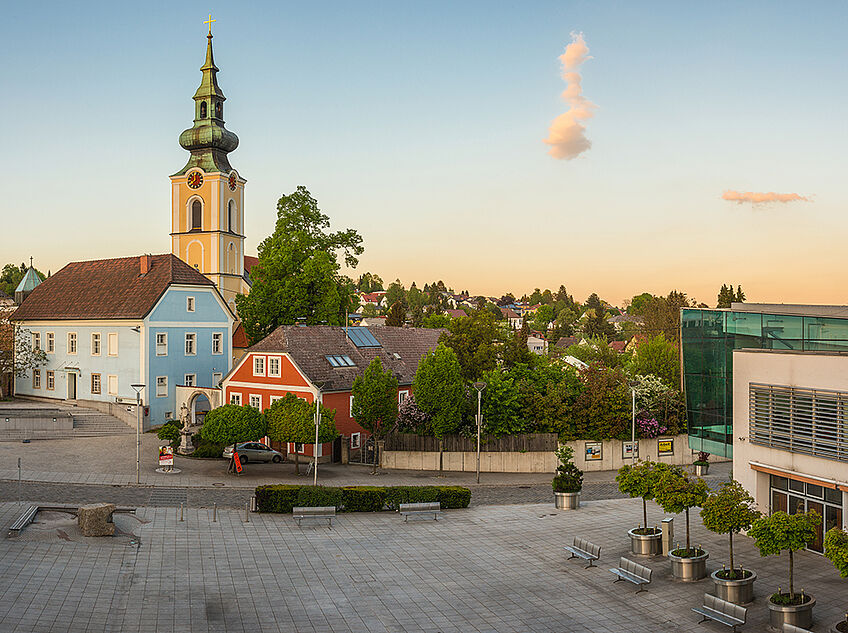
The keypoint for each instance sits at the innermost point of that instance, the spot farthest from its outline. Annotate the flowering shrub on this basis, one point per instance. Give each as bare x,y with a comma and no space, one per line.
650,428
411,419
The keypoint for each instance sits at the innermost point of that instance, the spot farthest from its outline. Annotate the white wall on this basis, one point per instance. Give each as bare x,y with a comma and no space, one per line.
793,369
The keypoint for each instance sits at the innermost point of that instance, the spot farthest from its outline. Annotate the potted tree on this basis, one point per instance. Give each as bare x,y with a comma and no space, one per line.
676,493
638,481
730,510
791,532
702,464
836,550
568,481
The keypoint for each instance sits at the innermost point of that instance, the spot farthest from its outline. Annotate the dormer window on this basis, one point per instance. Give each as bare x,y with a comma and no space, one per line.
196,215
202,109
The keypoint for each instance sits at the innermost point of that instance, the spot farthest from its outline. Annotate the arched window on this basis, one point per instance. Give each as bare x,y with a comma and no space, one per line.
202,109
219,109
196,215
231,258
231,217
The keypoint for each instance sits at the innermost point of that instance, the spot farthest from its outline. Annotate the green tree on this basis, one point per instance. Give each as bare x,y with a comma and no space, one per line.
370,310
780,531
435,321
594,303
662,315
740,296
640,480
658,356
836,549
395,293
601,410
725,297
292,419
11,276
231,424
515,350
501,404
298,276
655,399
375,401
675,492
595,324
475,342
729,510
440,392
543,317
17,355
595,350
535,298
639,302
396,316
369,282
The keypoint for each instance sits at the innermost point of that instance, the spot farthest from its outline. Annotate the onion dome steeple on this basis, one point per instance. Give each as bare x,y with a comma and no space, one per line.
208,140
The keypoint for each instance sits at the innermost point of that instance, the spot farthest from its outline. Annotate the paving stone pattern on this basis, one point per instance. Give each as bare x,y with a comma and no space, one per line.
488,568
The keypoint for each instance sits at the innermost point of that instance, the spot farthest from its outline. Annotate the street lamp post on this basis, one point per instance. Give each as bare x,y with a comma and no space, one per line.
318,389
138,387
479,386
633,384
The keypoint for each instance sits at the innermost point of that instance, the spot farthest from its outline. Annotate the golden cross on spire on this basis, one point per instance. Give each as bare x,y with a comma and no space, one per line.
209,22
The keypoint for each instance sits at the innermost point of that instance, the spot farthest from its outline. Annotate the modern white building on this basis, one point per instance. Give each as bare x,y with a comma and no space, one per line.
790,431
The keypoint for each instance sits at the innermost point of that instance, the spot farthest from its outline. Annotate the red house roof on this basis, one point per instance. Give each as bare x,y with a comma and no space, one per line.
123,288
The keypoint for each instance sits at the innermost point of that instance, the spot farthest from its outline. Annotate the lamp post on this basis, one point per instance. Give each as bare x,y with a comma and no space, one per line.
633,385
318,389
479,386
138,387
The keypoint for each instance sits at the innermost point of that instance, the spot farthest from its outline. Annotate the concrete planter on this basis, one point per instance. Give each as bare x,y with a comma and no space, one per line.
646,544
840,627
689,569
701,470
799,615
739,591
567,500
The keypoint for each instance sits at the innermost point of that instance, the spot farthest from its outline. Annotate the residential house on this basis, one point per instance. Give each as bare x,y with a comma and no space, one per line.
512,317
376,299
305,359
537,345
108,324
456,314
619,320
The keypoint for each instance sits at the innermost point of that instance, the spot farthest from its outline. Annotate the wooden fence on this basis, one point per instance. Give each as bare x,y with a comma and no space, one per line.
459,443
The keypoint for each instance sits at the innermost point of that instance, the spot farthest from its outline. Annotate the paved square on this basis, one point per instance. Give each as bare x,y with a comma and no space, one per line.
487,568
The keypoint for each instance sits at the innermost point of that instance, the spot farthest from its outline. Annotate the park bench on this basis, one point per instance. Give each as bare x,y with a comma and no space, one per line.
581,548
632,572
317,512
415,509
791,628
24,519
722,611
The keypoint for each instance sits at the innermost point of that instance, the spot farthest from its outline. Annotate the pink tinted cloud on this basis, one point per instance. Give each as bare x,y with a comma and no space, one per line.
567,134
766,197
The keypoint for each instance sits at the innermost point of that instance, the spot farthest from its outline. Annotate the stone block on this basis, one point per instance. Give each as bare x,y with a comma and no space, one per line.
95,519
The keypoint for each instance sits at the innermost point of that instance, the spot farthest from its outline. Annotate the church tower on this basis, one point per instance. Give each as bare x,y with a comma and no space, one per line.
207,195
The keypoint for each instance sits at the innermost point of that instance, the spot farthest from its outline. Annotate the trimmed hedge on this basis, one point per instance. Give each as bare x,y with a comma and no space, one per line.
282,498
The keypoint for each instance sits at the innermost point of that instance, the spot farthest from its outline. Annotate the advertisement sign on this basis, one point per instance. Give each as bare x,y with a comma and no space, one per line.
628,449
665,446
237,462
594,451
166,456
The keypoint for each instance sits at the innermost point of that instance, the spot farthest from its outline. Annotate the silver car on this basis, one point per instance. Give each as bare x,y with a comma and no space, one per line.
254,452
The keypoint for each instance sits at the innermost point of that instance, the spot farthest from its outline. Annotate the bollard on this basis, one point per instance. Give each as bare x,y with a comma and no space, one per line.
19,481
181,512
214,513
247,512
667,534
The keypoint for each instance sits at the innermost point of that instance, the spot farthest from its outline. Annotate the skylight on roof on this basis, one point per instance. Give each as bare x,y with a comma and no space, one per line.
339,360
362,337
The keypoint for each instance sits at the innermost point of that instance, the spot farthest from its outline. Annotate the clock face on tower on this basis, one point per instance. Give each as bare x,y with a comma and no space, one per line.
195,179
232,181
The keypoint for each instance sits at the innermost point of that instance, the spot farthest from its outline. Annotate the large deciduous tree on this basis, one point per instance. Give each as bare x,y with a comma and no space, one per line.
231,424
440,392
658,356
292,419
297,276
375,401
474,341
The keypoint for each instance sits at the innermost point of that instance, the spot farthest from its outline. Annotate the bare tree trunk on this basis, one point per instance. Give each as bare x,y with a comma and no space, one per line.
791,573
440,455
645,513
688,550
296,462
731,553
374,463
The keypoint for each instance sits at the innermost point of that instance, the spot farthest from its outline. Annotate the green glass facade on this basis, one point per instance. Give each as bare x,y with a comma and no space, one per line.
708,340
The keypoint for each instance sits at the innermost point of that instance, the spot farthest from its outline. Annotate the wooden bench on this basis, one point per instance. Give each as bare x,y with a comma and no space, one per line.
582,548
791,628
24,519
727,613
415,509
632,572
317,512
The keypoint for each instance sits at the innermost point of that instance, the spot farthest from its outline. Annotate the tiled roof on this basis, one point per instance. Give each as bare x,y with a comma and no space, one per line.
509,313
567,341
240,338
309,346
250,262
107,289
618,346
456,314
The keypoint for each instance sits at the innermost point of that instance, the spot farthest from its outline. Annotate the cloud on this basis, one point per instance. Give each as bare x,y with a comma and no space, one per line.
767,197
567,134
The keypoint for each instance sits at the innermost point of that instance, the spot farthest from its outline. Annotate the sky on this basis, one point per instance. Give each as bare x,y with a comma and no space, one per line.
440,131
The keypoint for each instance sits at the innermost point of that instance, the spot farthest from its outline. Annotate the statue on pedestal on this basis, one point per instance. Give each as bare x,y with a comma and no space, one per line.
186,447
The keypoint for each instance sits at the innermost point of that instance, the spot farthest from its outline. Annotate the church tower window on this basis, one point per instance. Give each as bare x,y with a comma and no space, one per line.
202,109
219,110
196,216
231,217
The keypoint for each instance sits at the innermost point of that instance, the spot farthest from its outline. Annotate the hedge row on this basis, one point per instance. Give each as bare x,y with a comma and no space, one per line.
284,497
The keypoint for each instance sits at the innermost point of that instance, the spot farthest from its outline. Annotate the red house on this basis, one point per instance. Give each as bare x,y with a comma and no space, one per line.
300,360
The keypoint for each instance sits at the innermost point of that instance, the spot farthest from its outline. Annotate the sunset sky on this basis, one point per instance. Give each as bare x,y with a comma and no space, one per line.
710,148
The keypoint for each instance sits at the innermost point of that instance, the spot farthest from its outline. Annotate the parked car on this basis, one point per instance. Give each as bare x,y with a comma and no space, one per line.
254,452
